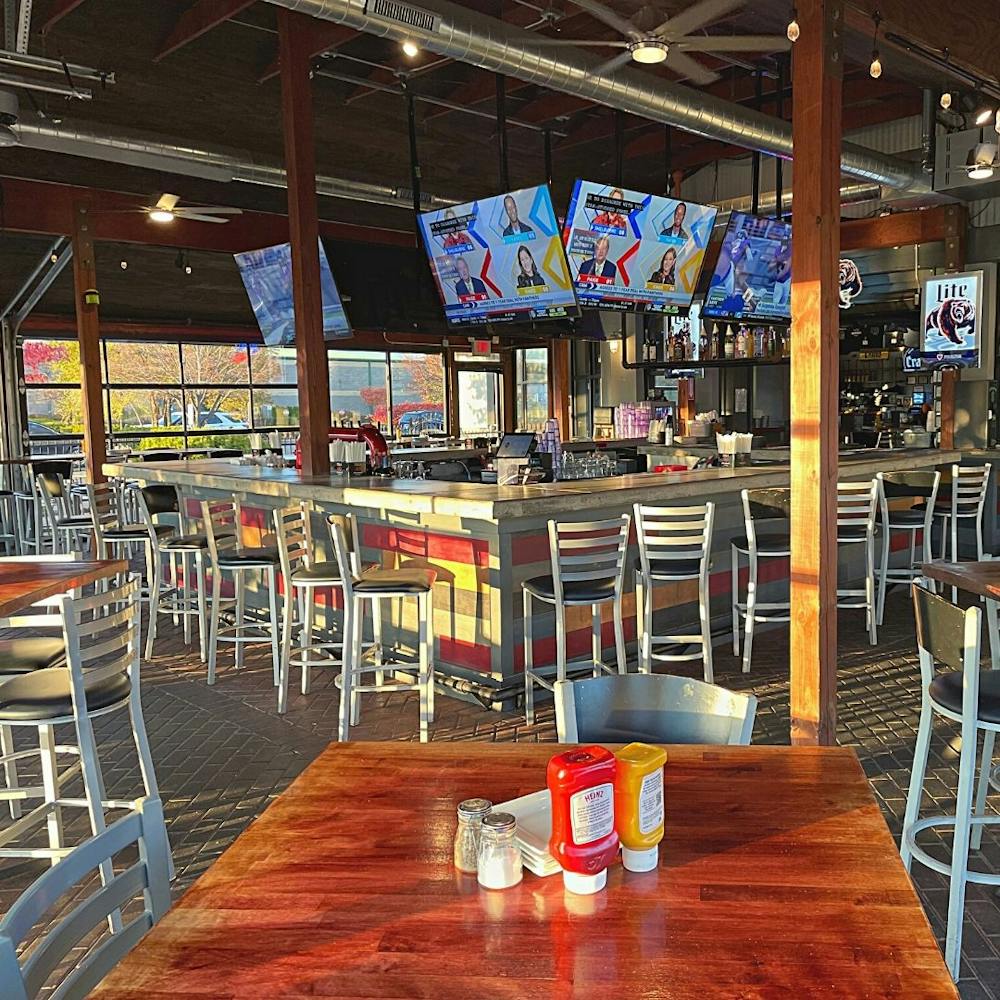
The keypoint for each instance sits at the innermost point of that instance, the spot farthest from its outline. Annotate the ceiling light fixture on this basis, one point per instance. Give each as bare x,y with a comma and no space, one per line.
982,160
984,114
123,264
997,125
410,49
161,215
649,51
875,69
792,31
946,99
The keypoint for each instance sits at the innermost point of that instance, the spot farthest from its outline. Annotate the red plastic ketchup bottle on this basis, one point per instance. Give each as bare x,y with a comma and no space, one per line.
584,842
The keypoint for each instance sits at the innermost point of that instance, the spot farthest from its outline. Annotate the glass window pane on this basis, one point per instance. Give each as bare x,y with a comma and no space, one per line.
144,410
276,407
47,361
220,411
535,361
535,409
478,403
158,443
52,412
228,439
214,363
417,392
132,363
358,385
273,365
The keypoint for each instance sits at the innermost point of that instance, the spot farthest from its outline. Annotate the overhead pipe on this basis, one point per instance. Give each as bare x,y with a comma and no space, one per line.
850,194
449,30
213,165
928,132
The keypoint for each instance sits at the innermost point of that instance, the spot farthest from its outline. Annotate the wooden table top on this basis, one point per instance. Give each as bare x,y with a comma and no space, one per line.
24,583
980,578
40,459
778,878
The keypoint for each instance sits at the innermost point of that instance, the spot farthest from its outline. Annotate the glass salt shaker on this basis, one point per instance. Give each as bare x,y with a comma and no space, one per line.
467,836
499,855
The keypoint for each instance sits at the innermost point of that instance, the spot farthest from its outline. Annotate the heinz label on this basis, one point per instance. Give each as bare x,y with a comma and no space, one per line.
592,813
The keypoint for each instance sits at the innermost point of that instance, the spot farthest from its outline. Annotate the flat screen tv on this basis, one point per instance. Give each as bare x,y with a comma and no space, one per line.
267,277
499,259
752,279
631,251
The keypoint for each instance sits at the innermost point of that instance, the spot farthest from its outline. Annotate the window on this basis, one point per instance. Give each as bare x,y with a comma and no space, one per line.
191,394
416,388
532,396
585,367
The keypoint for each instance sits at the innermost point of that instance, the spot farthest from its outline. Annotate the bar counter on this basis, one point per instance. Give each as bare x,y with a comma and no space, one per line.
484,540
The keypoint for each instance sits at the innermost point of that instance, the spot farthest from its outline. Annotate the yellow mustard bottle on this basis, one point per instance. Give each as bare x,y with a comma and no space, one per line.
639,804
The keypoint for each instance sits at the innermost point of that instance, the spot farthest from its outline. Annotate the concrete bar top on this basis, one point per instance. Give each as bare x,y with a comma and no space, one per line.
497,503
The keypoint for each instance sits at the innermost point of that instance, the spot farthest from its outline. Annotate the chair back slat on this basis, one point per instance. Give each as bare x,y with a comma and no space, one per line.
856,504
908,484
145,880
665,533
652,708
293,535
588,550
969,485
221,519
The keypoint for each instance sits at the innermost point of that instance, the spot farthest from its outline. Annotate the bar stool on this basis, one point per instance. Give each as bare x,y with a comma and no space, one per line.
378,585
161,500
302,574
588,568
857,510
675,544
758,505
966,502
912,519
100,676
68,531
971,697
228,554
29,508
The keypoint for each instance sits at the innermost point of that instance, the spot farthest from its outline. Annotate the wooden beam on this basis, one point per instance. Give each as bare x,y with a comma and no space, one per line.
509,386
295,45
816,126
901,229
451,373
324,36
956,227
559,386
88,333
197,20
58,10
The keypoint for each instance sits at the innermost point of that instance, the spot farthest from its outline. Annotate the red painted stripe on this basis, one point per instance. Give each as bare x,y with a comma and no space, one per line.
530,549
471,655
423,544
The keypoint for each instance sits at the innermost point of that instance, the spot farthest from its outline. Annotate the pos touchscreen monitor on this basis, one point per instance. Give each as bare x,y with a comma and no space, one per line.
499,259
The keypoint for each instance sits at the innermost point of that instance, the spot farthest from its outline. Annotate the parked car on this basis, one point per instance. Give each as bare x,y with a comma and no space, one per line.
213,421
421,421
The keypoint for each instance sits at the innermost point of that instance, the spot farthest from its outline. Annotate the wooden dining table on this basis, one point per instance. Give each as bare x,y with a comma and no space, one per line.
23,583
777,878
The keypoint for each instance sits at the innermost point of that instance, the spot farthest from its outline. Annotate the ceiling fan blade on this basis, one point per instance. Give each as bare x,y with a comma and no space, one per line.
690,68
210,209
167,202
611,18
579,42
612,64
695,17
733,43
195,217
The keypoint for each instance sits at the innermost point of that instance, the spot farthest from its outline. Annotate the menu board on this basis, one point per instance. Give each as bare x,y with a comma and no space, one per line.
632,251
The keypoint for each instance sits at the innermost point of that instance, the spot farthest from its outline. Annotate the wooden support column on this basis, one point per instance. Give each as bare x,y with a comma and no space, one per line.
559,388
451,374
95,444
816,133
956,223
294,33
509,384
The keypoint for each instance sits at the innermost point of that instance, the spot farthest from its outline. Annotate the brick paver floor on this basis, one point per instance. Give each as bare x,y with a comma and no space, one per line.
222,753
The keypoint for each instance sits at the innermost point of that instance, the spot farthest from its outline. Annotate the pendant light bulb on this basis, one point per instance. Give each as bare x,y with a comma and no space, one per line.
410,49
792,31
997,125
946,99
875,70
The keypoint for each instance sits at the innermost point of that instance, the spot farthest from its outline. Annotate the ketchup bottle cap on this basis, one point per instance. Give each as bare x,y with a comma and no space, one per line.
585,885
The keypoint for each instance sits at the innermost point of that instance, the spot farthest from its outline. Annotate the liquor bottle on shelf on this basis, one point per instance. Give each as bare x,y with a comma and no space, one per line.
730,344
678,346
741,342
720,341
703,352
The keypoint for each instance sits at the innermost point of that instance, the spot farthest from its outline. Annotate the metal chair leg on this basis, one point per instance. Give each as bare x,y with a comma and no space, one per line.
50,784
274,623
620,657
751,613
595,638
734,581
705,616
529,682
213,636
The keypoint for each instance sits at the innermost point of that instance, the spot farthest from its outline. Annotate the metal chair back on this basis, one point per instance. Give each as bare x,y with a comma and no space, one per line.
908,485
588,551
293,534
146,878
969,484
948,635
222,526
654,708
671,534
857,504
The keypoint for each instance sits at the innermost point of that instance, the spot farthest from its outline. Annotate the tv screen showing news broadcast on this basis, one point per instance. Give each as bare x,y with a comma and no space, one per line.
753,275
632,251
500,259
267,277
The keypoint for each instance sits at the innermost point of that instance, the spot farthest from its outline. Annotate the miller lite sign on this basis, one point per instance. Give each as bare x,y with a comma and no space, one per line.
951,319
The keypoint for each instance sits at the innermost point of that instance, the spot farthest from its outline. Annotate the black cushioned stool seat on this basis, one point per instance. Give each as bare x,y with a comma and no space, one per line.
946,690
45,694
25,655
413,580
574,591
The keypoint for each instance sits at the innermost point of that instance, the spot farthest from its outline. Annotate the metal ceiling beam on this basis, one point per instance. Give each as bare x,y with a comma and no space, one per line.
46,87
55,268
53,251
197,20
24,60
325,37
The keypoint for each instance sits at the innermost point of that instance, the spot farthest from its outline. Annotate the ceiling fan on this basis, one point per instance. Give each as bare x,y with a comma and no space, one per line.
650,39
167,208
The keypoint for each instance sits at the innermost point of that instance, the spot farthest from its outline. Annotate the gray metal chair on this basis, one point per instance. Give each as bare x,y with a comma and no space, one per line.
857,509
146,880
963,693
653,708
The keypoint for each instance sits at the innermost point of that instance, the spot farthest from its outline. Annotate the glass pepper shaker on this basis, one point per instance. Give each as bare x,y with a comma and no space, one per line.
467,836
499,855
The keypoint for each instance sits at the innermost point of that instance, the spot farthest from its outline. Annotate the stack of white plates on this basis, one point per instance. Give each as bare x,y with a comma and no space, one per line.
534,827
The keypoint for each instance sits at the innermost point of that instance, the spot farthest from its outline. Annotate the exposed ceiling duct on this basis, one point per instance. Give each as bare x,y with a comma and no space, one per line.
191,161
850,194
450,30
